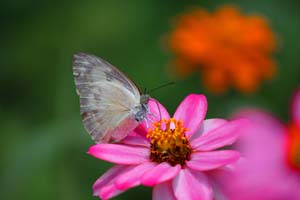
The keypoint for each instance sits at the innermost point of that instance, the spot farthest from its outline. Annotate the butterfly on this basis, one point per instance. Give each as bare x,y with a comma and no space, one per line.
111,105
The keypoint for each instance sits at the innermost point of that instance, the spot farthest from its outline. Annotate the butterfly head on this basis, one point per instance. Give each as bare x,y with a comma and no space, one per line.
144,99
142,109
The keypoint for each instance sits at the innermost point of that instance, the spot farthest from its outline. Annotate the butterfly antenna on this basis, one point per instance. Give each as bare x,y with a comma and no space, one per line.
162,86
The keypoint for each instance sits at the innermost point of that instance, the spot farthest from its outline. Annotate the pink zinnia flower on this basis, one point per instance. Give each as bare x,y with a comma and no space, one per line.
173,156
271,151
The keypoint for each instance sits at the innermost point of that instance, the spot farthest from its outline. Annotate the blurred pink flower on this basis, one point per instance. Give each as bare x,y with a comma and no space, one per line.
267,144
173,156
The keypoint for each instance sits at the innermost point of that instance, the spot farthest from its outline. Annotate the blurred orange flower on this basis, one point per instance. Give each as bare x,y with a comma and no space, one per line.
230,48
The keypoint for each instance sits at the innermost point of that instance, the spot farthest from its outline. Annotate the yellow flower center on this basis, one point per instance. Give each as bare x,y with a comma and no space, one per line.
169,143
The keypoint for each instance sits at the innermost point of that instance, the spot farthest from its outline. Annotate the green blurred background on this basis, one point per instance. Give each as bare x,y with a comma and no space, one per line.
43,142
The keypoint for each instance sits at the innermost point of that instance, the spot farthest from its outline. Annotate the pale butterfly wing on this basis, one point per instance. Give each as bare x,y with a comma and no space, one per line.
107,98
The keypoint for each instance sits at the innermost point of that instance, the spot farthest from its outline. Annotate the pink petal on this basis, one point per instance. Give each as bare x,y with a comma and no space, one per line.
222,136
120,154
157,110
295,108
192,111
162,172
263,141
132,177
192,186
202,161
163,191
141,129
107,177
260,117
109,191
207,126
136,140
